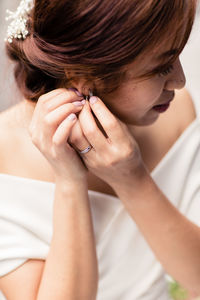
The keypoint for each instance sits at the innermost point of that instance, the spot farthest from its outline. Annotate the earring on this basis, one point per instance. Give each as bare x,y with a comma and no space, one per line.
89,96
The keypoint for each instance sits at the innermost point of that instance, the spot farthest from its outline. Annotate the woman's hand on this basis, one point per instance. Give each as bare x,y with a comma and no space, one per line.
50,128
115,156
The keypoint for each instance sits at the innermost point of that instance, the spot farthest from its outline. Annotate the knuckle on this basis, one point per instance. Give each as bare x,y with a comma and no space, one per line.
60,90
113,162
46,105
47,120
68,93
35,140
129,151
129,154
90,132
64,97
109,161
42,99
54,153
109,164
65,109
55,142
111,124
68,107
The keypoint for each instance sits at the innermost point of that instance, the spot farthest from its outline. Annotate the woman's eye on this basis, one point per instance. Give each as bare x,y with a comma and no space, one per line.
166,71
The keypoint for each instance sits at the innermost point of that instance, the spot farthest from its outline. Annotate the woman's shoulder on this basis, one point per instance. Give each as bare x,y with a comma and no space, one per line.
184,109
8,140
12,120
6,118
164,133
18,155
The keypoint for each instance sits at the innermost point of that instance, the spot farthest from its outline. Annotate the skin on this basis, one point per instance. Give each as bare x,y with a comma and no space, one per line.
117,161
136,98
133,107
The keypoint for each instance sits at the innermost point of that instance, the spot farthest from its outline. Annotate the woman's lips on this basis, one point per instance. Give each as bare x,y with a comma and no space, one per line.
162,108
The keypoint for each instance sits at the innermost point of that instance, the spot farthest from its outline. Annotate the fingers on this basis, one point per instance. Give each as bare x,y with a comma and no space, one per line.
52,94
59,114
91,130
44,123
50,129
109,122
54,99
63,131
77,138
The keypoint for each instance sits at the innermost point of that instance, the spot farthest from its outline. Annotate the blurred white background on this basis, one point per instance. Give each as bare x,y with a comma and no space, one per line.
190,60
7,89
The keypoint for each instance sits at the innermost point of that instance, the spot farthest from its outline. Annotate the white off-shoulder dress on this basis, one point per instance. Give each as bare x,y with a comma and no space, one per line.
128,268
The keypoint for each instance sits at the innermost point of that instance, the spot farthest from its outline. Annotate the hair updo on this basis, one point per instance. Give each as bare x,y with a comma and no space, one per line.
93,40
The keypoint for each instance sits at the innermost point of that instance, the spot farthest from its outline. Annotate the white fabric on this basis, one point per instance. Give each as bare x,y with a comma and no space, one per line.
128,268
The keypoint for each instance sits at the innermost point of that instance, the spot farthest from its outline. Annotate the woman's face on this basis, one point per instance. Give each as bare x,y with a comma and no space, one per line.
135,100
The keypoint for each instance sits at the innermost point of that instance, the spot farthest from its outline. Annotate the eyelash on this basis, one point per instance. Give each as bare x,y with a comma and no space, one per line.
166,71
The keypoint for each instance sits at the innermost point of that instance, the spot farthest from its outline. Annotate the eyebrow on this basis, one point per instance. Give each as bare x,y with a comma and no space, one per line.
169,53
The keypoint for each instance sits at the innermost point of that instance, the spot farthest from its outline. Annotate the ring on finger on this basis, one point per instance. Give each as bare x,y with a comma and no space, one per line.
86,150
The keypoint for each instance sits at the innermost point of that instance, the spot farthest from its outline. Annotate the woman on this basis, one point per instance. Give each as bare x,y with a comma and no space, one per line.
117,240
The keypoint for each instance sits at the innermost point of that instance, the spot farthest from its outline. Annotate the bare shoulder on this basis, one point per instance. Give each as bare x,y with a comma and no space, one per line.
16,146
7,133
10,120
6,118
14,123
172,123
183,111
15,155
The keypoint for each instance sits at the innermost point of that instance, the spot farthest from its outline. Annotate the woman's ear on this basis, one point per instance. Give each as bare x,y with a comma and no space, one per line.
82,85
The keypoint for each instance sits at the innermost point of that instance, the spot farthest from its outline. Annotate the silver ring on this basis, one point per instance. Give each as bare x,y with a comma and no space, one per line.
86,150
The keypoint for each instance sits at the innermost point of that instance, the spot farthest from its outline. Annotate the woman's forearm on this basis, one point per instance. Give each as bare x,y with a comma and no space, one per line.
71,271
173,238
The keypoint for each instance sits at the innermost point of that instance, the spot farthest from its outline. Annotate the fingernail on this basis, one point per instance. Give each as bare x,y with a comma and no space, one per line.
93,99
75,91
78,103
71,117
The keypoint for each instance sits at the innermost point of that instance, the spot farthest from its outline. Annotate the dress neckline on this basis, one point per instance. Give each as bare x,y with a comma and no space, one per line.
153,173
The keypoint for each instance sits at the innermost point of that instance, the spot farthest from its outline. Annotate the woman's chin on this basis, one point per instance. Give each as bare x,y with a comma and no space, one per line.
146,120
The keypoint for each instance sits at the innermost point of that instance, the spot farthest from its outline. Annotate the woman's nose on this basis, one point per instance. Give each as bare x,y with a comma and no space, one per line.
176,80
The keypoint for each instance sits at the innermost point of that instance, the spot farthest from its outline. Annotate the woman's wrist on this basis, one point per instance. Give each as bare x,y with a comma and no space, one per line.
134,183
71,186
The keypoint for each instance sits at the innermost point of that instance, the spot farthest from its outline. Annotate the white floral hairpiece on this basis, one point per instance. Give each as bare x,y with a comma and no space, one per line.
18,27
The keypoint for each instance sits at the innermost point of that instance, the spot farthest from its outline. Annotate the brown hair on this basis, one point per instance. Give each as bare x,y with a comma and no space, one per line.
94,40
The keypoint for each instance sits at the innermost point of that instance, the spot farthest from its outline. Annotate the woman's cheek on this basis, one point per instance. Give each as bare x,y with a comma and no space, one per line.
154,89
